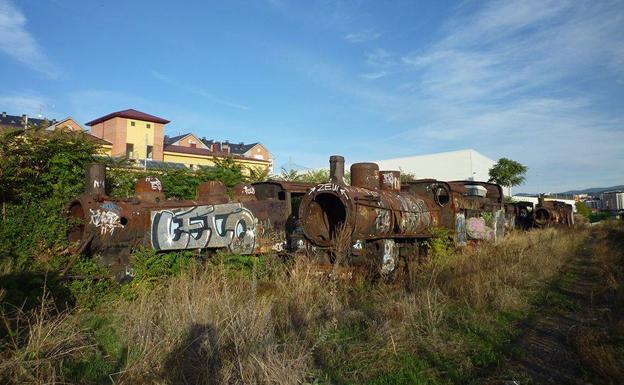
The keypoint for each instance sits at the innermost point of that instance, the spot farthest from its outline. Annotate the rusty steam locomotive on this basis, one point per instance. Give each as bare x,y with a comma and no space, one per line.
375,221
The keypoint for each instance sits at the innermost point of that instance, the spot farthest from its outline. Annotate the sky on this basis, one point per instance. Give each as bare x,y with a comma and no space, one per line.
540,82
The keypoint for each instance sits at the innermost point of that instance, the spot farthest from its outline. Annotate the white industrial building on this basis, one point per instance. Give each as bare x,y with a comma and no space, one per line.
453,165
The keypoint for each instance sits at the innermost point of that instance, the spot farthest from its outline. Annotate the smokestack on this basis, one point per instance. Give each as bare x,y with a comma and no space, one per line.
96,177
336,169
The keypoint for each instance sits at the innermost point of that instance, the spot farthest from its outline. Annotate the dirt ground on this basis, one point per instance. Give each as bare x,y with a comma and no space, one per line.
547,352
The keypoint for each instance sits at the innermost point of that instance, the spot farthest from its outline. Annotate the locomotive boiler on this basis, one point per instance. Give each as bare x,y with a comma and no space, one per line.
111,228
379,223
553,213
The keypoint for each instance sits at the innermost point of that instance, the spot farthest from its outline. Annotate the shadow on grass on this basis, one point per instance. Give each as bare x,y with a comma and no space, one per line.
196,360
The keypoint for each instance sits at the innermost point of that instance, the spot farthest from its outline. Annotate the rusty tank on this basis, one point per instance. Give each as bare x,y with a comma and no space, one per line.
380,222
553,213
111,228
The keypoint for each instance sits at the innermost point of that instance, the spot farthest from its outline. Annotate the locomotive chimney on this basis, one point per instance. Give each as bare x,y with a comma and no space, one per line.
336,169
365,175
95,179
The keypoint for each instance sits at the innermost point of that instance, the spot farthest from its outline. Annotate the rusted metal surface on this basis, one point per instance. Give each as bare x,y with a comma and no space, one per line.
111,228
378,219
553,213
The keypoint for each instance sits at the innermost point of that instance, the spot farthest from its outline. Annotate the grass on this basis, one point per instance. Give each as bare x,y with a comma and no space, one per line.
600,343
259,320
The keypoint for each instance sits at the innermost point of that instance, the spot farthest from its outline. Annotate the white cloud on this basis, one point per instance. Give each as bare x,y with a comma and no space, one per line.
20,44
511,79
362,36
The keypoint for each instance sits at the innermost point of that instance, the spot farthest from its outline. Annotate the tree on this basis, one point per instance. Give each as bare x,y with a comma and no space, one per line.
507,172
583,210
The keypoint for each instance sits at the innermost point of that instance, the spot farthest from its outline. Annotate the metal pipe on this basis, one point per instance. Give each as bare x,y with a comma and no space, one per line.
336,169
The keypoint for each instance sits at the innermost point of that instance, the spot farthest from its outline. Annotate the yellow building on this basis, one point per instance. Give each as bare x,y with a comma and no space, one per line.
140,136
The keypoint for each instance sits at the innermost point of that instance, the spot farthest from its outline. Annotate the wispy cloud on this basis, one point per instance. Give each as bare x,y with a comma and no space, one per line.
17,42
18,104
374,75
196,91
362,36
511,79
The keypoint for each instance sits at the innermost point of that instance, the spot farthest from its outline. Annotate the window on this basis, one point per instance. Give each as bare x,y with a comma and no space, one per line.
150,152
132,123
148,125
130,150
193,144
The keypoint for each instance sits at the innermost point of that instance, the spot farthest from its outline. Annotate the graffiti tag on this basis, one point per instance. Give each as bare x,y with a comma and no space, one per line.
249,190
98,183
106,220
154,182
227,225
330,187
391,180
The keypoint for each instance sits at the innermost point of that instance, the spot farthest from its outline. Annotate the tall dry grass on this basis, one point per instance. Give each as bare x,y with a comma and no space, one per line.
600,342
36,344
210,327
293,325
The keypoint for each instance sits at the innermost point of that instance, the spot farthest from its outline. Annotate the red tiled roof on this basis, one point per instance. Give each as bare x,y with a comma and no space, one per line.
205,152
129,114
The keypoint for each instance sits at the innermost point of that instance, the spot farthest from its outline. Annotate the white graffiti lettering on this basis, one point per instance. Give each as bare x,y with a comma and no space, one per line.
391,180
279,246
227,225
154,182
106,221
331,187
249,190
98,183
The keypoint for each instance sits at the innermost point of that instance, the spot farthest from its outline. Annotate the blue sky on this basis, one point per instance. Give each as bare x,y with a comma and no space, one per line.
540,82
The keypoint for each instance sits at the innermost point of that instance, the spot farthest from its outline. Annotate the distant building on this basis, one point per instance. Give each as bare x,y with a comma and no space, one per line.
10,123
593,204
613,200
454,165
137,135
16,122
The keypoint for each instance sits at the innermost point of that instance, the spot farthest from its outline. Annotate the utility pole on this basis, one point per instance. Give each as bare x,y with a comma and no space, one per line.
145,161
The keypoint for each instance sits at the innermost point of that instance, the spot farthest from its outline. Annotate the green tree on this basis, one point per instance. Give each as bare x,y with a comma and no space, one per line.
583,210
507,172
290,175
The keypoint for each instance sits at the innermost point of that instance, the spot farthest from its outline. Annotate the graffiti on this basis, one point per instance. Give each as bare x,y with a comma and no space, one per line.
358,245
249,190
477,228
106,220
390,256
383,221
498,223
279,246
154,182
330,187
98,183
460,229
391,180
227,225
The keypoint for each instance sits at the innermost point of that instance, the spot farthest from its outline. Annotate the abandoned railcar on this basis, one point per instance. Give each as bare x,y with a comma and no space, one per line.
375,221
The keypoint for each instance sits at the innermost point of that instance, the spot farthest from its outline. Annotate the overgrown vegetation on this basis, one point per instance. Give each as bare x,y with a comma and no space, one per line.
242,319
